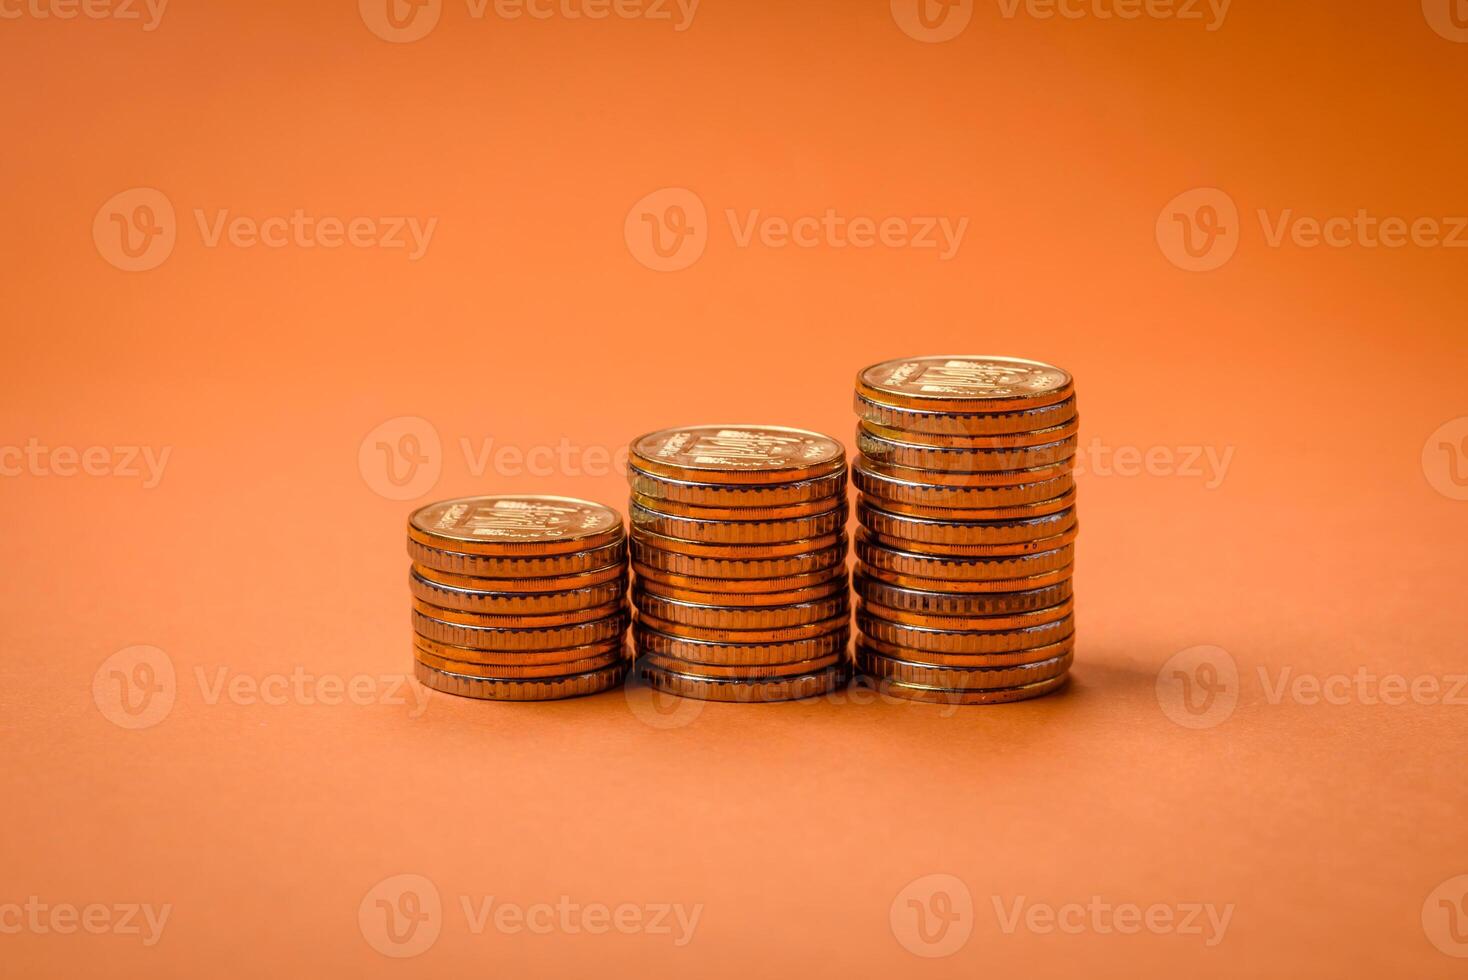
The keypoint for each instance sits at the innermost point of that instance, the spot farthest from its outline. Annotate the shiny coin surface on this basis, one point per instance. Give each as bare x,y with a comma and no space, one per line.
942,695
749,513
643,540
918,488
740,671
533,689
519,621
714,596
1013,440
1019,512
952,641
484,638
1011,658
960,678
964,479
942,603
661,560
980,550
512,658
1007,621
881,557
714,634
755,589
738,454
960,424
752,496
650,641
970,586
905,527
525,585
948,459
516,603
515,525
738,532
487,566
601,661
779,689
965,383
741,618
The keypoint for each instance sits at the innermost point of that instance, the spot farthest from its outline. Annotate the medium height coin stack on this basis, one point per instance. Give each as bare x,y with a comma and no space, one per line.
968,527
739,545
519,598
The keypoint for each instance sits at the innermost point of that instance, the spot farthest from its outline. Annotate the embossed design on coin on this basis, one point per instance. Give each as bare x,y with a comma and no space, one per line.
514,524
1007,381
747,452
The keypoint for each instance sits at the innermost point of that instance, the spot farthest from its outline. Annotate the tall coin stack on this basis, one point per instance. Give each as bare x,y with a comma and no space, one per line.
739,545
968,527
519,598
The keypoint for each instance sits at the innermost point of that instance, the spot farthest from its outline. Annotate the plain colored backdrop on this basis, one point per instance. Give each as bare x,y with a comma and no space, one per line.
1333,544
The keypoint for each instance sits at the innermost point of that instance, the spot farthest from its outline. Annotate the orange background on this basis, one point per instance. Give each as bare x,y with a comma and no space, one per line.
265,548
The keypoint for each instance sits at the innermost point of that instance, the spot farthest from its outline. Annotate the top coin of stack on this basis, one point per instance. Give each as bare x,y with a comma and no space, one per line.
967,543
739,545
519,598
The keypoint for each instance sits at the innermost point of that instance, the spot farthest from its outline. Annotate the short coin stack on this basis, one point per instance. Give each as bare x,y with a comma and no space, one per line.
739,545
519,598
967,543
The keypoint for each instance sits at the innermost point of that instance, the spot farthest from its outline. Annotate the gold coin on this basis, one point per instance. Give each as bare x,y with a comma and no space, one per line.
661,560
780,634
537,689
971,586
885,558
1019,512
741,618
511,525
519,621
1008,480
741,671
960,678
738,454
747,692
642,539
920,489
1009,621
753,589
950,459
933,658
738,532
513,658
485,566
515,603
526,585
834,586
506,672
749,496
953,423
1003,695
555,638
1013,440
1038,546
885,524
952,641
650,641
966,383
939,603
768,512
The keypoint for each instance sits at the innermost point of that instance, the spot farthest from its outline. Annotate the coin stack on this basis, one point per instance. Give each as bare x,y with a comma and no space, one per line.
968,527
519,598
739,545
